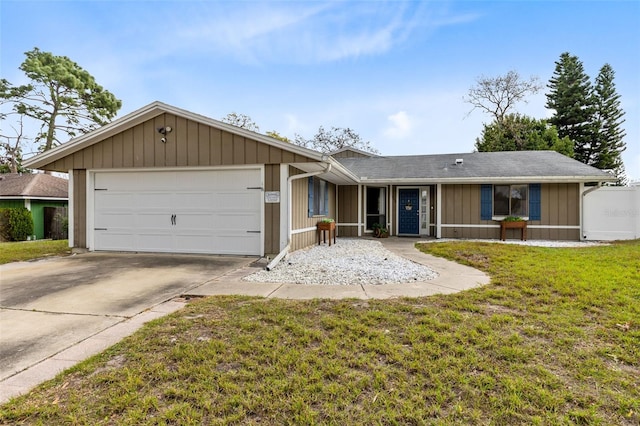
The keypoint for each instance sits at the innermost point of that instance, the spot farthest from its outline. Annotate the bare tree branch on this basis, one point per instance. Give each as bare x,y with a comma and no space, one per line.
497,96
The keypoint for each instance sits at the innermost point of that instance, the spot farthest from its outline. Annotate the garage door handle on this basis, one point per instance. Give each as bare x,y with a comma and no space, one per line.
173,219
253,232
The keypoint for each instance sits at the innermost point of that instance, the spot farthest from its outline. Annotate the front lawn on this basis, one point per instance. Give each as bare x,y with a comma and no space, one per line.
554,339
28,250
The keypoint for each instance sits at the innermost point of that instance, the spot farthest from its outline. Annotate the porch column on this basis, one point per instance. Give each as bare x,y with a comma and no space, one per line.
359,210
70,209
439,210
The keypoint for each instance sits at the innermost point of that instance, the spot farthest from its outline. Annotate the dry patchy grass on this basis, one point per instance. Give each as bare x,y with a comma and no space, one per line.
554,339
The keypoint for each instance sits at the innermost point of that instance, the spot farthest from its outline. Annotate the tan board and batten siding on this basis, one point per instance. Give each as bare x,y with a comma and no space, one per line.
560,214
303,226
190,144
348,211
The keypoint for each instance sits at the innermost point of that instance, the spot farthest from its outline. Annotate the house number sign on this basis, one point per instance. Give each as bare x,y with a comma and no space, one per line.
272,196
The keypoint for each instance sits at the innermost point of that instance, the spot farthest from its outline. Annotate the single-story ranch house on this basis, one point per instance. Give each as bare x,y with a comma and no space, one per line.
162,179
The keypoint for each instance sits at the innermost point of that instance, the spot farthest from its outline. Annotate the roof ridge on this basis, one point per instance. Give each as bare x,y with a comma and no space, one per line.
30,185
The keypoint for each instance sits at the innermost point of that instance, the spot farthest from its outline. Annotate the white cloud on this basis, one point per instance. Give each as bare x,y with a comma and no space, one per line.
301,32
400,125
293,125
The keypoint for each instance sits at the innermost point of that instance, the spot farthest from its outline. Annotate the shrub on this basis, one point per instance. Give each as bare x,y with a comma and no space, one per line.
16,224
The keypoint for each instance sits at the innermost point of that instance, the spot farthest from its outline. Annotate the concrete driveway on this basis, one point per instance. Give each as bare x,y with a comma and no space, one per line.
48,306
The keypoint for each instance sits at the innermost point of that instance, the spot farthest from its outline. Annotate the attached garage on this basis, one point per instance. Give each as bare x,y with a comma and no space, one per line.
163,179
186,211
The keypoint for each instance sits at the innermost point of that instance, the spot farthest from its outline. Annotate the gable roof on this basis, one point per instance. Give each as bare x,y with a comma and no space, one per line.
148,112
486,167
349,151
13,185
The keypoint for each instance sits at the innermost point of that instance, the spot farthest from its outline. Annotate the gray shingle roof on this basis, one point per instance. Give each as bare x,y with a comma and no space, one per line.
33,186
481,166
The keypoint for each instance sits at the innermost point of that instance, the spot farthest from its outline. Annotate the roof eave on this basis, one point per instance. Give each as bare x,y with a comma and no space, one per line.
492,179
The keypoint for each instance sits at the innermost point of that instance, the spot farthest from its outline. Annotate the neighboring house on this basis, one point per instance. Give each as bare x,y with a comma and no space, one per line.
162,179
41,194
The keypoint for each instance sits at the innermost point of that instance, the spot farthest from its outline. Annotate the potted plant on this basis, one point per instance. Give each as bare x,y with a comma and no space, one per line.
513,219
383,233
376,229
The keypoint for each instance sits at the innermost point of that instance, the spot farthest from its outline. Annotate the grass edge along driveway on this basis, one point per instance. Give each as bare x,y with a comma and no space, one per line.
30,250
554,339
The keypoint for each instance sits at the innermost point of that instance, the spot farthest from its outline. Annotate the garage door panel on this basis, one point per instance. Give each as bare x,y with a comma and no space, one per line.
232,243
152,200
187,243
238,200
195,200
195,221
246,221
105,200
116,241
185,211
153,241
152,220
113,220
136,181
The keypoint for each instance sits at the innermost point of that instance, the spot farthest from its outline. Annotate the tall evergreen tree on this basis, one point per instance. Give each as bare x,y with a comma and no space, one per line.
571,96
608,120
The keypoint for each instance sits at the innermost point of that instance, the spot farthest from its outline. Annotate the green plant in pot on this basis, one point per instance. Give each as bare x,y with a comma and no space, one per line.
513,219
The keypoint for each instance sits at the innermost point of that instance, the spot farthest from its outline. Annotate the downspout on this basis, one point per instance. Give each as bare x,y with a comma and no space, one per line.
290,179
584,194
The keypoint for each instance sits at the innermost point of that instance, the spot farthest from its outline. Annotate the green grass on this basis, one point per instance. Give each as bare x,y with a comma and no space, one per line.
28,250
554,339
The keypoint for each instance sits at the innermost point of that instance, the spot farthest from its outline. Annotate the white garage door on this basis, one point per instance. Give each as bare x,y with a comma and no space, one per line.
179,211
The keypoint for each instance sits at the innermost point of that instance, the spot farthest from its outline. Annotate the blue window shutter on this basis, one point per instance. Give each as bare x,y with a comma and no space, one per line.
326,199
486,202
534,201
310,196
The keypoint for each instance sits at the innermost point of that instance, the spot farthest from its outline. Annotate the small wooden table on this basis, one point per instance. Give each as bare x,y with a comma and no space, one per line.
322,227
519,224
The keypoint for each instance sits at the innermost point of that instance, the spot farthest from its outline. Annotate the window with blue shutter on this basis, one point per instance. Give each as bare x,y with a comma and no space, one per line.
311,196
486,205
535,201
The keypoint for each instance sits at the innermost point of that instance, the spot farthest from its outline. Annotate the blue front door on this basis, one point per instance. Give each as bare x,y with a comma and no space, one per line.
408,211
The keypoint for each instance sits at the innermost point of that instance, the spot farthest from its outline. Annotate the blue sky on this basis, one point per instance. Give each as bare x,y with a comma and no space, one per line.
395,72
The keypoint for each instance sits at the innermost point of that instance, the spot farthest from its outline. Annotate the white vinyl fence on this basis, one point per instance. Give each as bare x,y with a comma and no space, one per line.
612,213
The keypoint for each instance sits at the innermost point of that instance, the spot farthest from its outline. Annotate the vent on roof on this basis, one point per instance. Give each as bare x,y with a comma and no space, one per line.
459,161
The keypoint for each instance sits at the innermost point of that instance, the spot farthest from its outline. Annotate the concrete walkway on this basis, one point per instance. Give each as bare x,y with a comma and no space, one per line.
452,278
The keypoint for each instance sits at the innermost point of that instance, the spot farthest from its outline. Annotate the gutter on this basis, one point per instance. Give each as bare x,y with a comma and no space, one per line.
290,179
594,188
278,258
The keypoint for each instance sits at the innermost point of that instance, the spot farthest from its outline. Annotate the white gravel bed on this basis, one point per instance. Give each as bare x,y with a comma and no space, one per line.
536,243
348,262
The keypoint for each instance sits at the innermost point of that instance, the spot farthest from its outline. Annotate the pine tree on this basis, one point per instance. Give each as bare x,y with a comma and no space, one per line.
571,96
608,120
